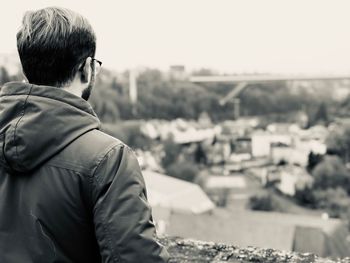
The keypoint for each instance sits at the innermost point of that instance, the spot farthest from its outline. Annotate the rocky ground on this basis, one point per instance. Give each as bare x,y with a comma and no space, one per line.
184,250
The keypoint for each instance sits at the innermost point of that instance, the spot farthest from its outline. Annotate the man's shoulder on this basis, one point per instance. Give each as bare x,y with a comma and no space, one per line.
84,154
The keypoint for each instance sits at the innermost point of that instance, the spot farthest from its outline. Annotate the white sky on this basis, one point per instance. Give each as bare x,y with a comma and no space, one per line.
282,36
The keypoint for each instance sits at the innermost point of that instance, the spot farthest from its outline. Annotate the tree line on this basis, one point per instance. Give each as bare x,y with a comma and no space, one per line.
162,96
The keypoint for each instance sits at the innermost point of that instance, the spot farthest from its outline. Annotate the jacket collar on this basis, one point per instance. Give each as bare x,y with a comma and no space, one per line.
20,88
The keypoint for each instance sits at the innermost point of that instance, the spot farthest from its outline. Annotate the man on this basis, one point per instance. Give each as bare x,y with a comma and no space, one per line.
68,192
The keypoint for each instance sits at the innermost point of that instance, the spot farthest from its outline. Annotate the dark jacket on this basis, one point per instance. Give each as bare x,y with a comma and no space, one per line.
68,192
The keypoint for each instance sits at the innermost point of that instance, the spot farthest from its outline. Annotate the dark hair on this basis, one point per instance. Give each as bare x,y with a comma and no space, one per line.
52,44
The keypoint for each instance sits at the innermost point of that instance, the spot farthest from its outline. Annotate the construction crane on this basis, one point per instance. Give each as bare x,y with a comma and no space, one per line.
243,81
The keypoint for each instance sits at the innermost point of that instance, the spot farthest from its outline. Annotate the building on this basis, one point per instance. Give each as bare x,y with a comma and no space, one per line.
175,195
262,141
293,178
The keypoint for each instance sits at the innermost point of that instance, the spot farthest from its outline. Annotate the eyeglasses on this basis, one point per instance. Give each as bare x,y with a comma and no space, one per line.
98,64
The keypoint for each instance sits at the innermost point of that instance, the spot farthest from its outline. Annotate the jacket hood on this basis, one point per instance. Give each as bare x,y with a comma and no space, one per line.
36,122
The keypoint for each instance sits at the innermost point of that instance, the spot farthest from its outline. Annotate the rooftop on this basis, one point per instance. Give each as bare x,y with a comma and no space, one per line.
175,194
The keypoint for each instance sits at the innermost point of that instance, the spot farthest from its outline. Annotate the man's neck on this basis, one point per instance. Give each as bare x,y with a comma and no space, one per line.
74,88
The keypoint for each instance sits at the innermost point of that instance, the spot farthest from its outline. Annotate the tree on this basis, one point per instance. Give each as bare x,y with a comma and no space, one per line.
116,86
334,200
313,160
183,170
263,202
200,155
338,142
321,115
331,173
171,152
306,197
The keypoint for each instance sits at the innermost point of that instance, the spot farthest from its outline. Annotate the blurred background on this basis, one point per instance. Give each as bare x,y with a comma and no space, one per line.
238,112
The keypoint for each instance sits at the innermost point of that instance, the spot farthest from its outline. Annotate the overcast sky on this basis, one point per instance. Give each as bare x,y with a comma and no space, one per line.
233,36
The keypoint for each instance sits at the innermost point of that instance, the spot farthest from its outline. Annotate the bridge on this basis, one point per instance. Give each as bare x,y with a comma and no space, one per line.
243,81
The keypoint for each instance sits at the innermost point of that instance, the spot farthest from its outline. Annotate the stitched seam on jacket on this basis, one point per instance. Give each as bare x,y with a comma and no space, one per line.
103,156
115,255
47,237
19,119
69,169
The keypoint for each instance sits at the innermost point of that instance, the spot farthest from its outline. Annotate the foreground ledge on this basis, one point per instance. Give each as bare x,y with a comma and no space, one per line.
186,250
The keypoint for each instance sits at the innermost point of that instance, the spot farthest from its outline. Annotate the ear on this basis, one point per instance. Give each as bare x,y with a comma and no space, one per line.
86,71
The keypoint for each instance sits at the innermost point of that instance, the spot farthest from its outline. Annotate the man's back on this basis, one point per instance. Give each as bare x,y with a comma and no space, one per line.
68,192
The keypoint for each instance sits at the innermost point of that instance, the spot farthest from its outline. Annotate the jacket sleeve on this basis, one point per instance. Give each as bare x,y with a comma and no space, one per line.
122,216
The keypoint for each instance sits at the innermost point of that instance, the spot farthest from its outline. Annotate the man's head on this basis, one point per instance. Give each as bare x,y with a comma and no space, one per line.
56,47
